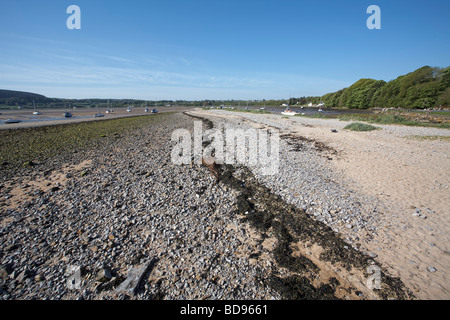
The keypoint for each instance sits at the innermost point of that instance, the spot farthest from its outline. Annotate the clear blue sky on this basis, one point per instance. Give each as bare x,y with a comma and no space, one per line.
215,49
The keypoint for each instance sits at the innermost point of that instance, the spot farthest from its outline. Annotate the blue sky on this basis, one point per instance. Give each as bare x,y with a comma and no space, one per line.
225,49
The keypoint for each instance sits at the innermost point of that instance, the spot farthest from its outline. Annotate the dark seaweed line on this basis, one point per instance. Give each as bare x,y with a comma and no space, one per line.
291,224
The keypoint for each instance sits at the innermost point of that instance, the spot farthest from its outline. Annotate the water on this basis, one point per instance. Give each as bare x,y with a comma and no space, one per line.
41,119
309,110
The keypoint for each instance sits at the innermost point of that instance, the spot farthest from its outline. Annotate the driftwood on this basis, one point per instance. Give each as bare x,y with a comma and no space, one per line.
213,168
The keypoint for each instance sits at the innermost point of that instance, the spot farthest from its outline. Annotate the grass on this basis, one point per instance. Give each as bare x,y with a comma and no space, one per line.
24,147
443,138
315,115
360,127
259,111
383,119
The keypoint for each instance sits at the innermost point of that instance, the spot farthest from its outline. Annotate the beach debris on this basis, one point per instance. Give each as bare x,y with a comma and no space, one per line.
418,213
431,269
212,166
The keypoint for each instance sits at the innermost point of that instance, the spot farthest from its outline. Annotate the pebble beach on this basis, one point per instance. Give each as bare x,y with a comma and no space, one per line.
137,226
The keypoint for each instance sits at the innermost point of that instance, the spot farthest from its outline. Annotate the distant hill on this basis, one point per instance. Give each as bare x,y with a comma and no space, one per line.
425,87
11,97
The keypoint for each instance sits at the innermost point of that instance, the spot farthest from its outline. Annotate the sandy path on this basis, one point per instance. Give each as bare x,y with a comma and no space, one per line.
409,177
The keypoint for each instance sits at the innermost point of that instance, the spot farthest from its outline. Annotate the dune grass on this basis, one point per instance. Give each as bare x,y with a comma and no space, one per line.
360,127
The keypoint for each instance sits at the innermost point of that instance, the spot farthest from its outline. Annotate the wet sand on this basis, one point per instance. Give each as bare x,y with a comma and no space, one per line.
56,116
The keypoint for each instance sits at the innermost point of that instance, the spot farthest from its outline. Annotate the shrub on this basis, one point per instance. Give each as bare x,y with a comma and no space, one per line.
360,127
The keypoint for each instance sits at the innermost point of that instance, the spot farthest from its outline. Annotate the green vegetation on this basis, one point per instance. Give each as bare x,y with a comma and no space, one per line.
423,88
24,147
360,127
406,118
443,138
249,110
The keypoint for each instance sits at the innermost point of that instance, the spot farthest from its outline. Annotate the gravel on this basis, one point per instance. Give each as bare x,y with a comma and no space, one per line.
132,204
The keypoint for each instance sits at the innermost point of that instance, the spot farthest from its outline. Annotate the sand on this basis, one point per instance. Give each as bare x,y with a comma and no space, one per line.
410,179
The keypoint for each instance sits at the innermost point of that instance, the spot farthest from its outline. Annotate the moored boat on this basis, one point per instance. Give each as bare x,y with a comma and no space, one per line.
12,121
289,112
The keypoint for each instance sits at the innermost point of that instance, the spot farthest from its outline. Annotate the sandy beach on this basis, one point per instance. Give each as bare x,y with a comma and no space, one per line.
408,179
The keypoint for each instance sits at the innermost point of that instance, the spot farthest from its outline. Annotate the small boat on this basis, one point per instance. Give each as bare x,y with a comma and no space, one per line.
128,110
12,121
154,111
146,110
98,115
320,110
289,112
68,115
35,112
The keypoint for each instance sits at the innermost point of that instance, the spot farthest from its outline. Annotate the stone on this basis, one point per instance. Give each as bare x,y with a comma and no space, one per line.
431,269
3,273
104,275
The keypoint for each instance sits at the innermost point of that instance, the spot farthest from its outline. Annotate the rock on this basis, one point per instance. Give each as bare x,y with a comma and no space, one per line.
431,269
11,247
104,275
3,273
23,275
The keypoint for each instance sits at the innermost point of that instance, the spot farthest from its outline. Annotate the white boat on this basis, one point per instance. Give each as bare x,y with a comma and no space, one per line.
289,112
35,112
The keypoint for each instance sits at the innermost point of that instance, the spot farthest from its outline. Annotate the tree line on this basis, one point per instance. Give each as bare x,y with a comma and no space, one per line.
426,87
